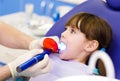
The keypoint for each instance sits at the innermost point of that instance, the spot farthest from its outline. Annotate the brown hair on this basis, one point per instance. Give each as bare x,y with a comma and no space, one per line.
94,27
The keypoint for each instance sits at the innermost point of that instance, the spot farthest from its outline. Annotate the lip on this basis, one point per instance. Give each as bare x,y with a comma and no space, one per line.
61,51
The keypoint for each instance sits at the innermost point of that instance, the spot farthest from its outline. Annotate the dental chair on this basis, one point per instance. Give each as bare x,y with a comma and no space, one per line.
110,11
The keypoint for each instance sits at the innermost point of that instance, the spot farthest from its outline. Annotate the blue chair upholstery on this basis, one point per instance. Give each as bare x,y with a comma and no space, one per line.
99,8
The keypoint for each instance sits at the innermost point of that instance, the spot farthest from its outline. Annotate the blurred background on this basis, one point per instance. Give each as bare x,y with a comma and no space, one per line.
41,7
35,17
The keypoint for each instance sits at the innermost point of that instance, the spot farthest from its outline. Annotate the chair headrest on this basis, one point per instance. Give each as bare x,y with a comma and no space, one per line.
114,4
99,8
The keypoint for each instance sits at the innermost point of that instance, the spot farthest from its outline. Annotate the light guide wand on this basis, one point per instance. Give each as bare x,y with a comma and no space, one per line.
32,61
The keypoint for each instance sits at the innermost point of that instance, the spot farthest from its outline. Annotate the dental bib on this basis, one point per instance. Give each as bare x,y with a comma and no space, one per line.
61,68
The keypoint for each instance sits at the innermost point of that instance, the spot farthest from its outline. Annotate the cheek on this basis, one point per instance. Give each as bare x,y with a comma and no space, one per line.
72,51
68,54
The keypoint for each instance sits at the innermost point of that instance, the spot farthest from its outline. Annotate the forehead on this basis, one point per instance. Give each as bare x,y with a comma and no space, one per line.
75,25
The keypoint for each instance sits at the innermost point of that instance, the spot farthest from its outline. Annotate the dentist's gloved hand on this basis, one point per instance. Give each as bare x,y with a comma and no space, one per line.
38,43
37,69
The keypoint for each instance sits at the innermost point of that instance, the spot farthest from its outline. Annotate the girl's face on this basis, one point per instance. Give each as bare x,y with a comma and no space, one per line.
75,42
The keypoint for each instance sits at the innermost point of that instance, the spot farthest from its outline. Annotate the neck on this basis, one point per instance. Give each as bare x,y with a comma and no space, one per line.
82,58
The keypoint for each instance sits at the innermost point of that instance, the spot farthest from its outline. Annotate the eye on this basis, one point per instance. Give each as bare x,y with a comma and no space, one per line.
65,28
73,30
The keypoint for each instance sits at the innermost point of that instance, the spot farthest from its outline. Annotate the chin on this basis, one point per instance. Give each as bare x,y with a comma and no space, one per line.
63,57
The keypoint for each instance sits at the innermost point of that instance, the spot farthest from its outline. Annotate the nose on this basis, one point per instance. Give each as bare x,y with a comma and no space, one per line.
63,34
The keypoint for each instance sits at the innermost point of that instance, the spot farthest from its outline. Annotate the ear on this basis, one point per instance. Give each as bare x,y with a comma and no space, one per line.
92,45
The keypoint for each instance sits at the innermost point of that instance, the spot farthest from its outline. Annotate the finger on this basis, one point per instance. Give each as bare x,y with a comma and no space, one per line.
55,38
35,52
30,54
43,70
46,69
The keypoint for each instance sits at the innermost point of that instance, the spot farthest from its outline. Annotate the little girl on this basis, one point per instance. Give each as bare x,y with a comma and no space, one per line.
84,34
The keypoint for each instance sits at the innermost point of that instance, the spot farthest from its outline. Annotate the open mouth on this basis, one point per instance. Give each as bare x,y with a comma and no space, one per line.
62,47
